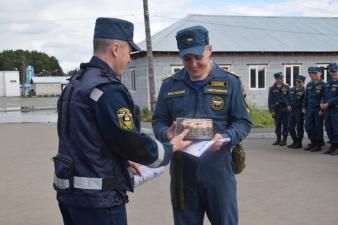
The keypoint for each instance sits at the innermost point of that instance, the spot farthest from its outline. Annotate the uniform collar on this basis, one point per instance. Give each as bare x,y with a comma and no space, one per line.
183,75
96,61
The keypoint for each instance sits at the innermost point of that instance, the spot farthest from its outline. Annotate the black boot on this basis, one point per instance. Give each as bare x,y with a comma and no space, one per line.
318,146
335,152
322,142
298,143
283,142
292,145
310,146
331,149
277,142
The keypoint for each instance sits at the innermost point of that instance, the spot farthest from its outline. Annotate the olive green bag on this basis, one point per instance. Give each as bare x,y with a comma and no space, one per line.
238,158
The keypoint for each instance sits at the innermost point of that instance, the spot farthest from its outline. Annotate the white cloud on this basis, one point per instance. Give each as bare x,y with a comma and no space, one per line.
65,28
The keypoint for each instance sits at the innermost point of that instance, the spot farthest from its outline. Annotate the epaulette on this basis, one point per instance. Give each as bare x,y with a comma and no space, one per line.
234,74
167,76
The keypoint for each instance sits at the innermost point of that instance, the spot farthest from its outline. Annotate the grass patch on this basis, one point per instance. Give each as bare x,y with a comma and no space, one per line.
261,118
146,115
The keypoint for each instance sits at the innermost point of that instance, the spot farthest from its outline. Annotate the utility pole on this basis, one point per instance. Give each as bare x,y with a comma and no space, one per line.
24,76
150,68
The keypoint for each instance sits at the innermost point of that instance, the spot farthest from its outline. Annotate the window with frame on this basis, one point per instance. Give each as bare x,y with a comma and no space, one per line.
257,76
175,69
324,74
291,72
132,79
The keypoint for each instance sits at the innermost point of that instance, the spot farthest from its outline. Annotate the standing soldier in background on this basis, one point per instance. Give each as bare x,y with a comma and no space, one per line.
314,115
295,113
330,104
278,106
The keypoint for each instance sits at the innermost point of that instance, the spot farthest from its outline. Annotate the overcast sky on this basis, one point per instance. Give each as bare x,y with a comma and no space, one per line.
64,28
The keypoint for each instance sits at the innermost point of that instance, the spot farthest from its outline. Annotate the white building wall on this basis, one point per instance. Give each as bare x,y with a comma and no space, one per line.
2,84
238,63
47,89
9,83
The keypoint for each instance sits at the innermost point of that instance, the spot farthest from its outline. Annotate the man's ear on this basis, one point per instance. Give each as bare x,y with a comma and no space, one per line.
114,48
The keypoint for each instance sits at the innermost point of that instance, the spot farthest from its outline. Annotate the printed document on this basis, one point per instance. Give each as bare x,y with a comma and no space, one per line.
199,147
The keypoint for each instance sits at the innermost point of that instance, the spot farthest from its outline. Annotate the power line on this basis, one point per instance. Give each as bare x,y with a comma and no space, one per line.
57,20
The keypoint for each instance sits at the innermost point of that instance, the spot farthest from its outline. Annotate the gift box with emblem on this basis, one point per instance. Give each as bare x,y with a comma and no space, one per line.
199,129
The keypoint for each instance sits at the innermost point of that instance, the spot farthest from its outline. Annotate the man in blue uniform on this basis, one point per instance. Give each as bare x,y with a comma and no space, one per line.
278,107
99,133
311,106
202,90
330,105
296,119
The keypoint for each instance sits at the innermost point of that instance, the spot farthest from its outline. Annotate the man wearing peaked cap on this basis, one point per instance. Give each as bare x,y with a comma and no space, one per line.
330,105
202,90
296,118
99,134
278,107
314,114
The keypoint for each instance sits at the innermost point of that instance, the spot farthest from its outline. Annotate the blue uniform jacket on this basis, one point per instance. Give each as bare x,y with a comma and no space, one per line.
219,98
313,95
98,133
331,94
110,111
278,97
296,97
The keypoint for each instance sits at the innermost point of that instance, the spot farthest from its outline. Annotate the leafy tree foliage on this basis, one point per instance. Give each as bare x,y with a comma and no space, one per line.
43,64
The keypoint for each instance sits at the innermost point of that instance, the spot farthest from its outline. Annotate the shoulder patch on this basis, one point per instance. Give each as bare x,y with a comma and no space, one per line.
167,76
234,74
125,117
95,94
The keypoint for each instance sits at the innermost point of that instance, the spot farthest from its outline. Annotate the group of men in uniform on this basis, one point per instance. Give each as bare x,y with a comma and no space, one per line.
316,103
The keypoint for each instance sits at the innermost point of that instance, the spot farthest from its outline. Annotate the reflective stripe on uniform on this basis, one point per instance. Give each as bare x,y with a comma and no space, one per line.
61,183
88,183
160,157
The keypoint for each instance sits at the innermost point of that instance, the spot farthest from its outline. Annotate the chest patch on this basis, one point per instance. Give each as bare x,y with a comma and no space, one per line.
284,90
217,103
218,83
333,88
177,93
125,119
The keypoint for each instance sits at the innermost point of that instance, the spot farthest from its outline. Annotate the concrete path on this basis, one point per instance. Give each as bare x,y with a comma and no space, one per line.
279,186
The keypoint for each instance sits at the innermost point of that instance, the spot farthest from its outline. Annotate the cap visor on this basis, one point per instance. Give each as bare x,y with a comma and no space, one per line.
193,51
134,47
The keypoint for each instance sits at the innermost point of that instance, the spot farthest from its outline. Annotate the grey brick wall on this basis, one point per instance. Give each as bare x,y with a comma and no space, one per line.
238,63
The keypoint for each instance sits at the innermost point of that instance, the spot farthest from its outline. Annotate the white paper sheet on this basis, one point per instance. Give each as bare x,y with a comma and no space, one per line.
147,174
199,147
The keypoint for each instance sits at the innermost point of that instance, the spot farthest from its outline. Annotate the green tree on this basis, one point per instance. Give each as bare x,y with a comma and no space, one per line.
42,63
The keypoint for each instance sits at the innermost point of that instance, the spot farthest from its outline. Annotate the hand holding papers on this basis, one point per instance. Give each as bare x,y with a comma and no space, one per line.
198,148
147,174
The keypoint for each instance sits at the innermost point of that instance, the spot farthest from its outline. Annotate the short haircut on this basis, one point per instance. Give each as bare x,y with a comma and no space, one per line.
101,44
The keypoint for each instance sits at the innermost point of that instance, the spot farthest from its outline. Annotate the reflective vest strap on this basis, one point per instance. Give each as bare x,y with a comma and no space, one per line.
61,183
88,183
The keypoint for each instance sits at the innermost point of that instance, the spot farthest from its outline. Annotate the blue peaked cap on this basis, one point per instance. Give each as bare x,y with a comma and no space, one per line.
333,67
314,69
192,40
113,28
278,75
300,78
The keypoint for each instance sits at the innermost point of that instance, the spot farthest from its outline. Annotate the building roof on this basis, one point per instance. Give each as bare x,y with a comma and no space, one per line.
256,34
50,80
